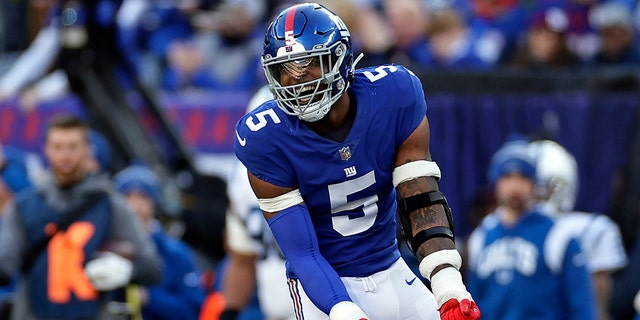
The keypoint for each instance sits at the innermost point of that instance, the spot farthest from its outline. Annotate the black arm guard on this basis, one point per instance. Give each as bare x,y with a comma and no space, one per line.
413,203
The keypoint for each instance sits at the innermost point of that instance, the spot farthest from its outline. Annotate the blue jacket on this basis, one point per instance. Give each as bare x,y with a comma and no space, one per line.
14,174
530,270
179,295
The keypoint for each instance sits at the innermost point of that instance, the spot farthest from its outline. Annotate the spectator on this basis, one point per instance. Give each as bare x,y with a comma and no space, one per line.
179,295
100,156
619,43
23,19
454,45
160,25
408,21
41,72
626,286
521,266
556,189
506,18
14,176
252,250
372,32
223,54
13,179
75,216
545,44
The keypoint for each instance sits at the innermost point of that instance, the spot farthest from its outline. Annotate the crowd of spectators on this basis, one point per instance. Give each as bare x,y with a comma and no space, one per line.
190,45
216,44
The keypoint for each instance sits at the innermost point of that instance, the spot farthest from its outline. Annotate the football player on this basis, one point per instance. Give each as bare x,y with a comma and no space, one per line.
557,189
255,260
334,160
521,265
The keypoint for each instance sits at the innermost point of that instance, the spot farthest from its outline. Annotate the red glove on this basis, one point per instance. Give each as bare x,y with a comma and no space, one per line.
464,310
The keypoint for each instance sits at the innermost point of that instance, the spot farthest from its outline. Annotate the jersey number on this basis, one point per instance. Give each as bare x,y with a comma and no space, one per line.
380,73
352,224
262,119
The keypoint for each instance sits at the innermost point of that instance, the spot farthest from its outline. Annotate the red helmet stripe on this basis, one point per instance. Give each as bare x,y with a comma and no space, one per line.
289,22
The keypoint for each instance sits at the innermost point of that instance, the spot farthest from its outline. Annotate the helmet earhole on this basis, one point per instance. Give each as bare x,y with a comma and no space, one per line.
340,50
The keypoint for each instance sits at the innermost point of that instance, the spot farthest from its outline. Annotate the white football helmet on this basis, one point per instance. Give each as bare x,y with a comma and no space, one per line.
557,175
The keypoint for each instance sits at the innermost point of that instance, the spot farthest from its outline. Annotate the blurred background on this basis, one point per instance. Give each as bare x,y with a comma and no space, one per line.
164,81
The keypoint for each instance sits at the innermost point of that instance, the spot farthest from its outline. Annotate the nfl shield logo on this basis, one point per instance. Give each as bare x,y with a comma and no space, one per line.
345,153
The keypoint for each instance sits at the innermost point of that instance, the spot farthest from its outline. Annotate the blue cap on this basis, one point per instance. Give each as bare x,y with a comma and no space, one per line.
139,179
512,157
100,149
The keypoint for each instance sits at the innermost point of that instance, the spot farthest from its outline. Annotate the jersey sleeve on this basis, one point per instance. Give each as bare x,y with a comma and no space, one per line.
577,284
415,107
602,242
257,149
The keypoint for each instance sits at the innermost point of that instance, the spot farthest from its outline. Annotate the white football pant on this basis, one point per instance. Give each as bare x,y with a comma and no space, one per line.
392,294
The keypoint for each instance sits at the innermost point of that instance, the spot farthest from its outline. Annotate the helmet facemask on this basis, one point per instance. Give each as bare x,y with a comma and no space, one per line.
557,175
557,192
310,101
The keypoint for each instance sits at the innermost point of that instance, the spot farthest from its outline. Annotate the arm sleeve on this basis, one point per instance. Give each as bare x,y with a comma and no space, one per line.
54,85
296,236
126,226
34,62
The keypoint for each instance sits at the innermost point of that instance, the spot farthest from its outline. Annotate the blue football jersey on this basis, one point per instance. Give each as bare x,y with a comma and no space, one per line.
347,185
530,270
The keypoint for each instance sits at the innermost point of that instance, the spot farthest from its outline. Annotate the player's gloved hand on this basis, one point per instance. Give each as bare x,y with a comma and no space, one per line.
463,310
451,294
109,271
347,310
452,297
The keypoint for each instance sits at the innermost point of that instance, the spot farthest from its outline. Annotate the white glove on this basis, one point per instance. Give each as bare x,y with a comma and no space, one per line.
347,310
109,271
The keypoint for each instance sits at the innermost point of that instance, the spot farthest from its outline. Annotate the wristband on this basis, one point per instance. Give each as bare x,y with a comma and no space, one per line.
438,258
447,284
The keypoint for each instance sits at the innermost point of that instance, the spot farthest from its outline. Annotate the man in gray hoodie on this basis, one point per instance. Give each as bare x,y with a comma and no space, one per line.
69,266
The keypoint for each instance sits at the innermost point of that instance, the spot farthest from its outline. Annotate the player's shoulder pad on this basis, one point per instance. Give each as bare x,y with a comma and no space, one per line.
556,243
395,75
592,222
257,126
